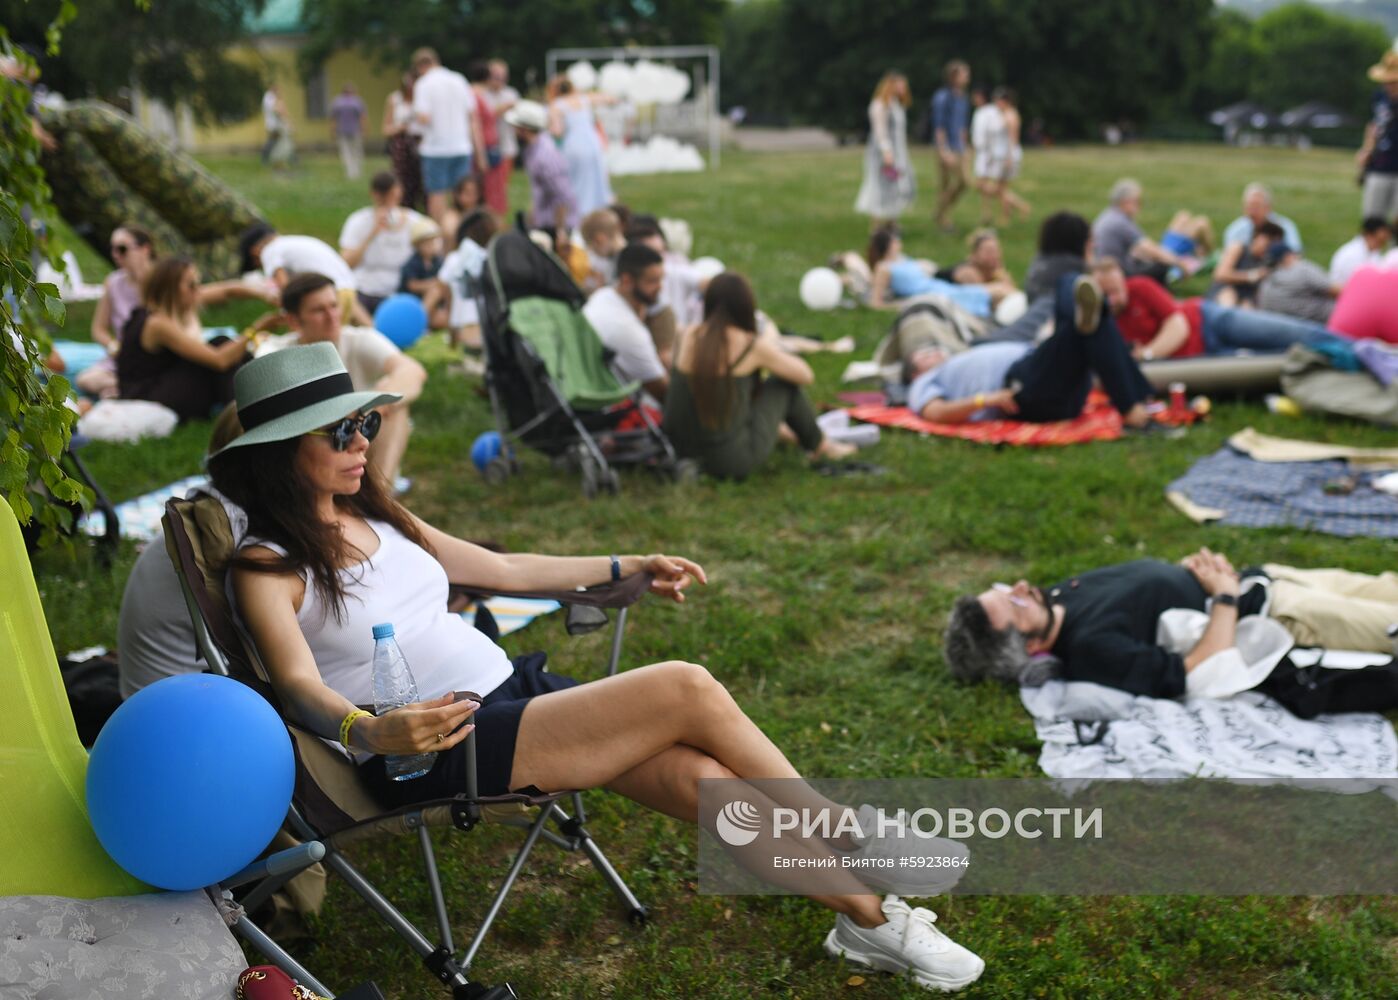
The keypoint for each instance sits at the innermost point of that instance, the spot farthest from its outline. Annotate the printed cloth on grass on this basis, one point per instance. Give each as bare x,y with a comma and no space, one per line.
1091,731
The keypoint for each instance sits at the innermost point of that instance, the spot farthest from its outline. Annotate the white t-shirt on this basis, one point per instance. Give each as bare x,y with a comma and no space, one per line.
379,269
302,254
509,145
461,270
365,352
1350,258
680,290
270,119
622,331
447,100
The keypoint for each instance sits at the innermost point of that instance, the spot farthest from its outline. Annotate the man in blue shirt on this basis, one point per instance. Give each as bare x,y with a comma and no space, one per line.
1037,384
1378,157
1257,209
951,113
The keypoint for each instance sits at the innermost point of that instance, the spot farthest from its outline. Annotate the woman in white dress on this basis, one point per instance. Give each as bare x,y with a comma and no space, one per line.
990,137
889,184
1010,202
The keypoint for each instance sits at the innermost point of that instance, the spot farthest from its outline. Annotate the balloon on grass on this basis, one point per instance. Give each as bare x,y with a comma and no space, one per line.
821,289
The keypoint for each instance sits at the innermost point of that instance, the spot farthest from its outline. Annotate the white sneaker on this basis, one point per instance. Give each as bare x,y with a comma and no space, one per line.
909,942
908,865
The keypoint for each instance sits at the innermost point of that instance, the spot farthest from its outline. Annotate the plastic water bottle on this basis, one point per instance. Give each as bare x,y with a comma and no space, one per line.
395,687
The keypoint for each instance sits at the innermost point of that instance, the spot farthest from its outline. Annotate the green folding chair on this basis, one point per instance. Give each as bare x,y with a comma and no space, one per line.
73,919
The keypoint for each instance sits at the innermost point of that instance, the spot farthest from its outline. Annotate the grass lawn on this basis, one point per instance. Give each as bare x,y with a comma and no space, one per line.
824,618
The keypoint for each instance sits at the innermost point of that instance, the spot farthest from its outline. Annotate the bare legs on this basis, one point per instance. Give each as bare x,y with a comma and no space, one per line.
680,726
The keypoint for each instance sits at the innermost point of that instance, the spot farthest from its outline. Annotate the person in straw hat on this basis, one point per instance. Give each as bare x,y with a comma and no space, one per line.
1378,157
329,553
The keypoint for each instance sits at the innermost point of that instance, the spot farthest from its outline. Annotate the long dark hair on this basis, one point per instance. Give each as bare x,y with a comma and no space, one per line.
162,289
280,503
728,302
880,241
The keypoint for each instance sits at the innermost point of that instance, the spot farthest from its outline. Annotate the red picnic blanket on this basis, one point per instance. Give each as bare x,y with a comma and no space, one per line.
1099,421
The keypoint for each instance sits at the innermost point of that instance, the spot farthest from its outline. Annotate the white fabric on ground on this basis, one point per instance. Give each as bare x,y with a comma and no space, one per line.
1091,731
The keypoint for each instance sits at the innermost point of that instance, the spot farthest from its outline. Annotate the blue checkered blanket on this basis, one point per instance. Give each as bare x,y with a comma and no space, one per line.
1253,494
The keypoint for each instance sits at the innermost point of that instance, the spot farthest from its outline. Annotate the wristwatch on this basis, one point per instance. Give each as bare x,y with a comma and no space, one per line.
1227,600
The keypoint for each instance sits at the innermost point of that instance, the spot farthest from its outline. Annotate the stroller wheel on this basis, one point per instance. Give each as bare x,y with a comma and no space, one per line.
610,481
497,470
591,479
685,471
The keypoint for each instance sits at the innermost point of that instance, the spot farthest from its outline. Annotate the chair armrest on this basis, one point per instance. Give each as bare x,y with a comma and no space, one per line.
621,594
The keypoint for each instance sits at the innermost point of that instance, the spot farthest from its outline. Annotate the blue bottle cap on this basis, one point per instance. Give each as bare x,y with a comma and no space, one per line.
384,631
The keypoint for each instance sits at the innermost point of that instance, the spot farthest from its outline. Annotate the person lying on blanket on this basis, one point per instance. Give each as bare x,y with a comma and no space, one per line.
1040,384
1101,627
329,552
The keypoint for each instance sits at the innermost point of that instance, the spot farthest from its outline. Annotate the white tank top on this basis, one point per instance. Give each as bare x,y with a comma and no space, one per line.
402,584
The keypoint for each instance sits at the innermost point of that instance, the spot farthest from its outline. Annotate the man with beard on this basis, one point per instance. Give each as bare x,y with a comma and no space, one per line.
1101,626
618,313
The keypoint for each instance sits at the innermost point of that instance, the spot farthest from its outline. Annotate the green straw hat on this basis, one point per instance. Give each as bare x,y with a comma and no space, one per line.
295,391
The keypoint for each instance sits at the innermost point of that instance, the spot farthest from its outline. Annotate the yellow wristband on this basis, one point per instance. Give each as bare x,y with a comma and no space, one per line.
348,723
980,400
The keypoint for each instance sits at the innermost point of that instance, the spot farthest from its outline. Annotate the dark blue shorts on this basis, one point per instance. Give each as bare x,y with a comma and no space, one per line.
497,729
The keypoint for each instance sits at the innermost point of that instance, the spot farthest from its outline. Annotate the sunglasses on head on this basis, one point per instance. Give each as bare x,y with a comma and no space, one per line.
342,433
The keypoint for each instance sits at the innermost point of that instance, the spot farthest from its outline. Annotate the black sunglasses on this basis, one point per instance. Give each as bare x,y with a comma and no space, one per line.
120,248
342,433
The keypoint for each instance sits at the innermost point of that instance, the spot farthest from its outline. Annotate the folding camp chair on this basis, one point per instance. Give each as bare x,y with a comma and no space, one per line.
61,896
331,804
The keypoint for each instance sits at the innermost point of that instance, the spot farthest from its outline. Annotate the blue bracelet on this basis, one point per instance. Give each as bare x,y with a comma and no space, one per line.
616,569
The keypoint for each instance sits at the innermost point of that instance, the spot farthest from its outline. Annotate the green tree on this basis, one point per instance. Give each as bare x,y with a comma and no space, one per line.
35,426
1074,65
1313,55
175,50
521,33
1233,58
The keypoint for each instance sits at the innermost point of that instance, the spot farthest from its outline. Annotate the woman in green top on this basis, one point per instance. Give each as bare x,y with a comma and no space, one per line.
720,410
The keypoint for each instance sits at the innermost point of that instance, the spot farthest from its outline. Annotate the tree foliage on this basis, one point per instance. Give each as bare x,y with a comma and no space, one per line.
1313,55
35,426
176,50
1074,65
521,33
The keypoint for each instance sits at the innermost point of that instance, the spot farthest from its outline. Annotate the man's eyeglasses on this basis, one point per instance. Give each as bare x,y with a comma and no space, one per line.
342,434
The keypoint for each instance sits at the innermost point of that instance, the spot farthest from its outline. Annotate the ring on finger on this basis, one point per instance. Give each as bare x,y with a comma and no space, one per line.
441,737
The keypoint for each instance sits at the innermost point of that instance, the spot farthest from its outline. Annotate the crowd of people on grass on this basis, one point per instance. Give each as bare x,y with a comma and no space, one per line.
311,434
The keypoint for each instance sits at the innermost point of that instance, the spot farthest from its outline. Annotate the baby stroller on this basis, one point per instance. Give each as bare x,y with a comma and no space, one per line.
548,377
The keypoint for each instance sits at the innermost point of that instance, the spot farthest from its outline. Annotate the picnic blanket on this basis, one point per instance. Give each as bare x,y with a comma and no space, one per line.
1234,488
1099,421
1090,731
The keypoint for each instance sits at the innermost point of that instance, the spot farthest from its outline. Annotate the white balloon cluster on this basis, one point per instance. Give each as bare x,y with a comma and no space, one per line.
642,82
657,155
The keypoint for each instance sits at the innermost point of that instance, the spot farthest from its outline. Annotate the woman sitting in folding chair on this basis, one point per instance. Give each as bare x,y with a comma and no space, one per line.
329,553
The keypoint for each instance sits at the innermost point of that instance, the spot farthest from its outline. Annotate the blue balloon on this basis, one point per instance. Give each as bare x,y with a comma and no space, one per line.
484,448
189,780
401,318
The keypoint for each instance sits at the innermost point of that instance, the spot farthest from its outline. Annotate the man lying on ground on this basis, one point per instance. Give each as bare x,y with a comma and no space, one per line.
1101,627
1158,325
1041,383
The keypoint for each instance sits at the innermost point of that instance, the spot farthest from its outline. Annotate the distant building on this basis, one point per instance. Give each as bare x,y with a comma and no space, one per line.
275,37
